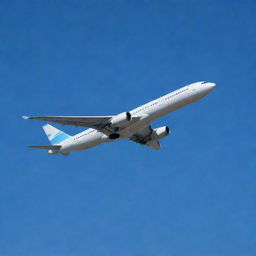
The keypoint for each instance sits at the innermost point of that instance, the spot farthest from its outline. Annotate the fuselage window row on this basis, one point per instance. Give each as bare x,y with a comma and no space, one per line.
163,99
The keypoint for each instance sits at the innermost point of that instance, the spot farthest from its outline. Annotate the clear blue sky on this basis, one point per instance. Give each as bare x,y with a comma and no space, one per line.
196,196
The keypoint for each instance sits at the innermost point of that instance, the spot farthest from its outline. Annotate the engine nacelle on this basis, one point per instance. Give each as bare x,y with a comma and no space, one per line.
161,132
121,119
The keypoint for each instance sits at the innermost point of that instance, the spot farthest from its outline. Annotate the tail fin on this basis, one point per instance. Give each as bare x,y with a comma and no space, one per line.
54,135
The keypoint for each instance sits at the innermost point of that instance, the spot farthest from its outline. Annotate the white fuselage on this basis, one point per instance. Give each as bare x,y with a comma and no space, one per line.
141,116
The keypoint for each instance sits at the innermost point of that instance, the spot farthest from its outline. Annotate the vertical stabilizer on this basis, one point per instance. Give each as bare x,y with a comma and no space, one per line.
54,135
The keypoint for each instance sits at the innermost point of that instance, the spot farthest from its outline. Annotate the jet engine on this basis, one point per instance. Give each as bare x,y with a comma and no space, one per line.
161,132
121,119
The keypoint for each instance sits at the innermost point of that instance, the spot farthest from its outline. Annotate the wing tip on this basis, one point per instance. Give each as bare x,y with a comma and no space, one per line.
25,117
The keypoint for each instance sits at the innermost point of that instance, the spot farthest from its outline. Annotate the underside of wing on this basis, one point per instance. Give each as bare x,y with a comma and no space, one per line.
53,147
142,136
145,137
100,123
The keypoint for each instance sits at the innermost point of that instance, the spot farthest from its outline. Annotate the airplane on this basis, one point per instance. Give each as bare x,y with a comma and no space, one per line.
134,125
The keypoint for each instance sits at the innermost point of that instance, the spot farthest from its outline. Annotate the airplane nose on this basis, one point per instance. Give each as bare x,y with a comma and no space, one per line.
211,85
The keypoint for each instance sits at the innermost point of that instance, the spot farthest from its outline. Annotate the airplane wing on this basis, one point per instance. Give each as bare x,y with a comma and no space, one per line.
47,147
144,137
86,121
96,122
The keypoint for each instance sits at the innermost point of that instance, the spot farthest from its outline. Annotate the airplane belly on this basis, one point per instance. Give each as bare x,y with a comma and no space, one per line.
86,143
134,128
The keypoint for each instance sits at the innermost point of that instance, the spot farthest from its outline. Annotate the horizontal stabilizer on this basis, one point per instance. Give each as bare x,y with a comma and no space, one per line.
55,147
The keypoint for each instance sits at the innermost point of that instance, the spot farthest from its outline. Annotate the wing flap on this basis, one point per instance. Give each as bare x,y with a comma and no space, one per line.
154,144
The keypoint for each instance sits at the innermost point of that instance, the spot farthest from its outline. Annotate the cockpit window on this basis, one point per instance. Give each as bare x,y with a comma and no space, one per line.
204,82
